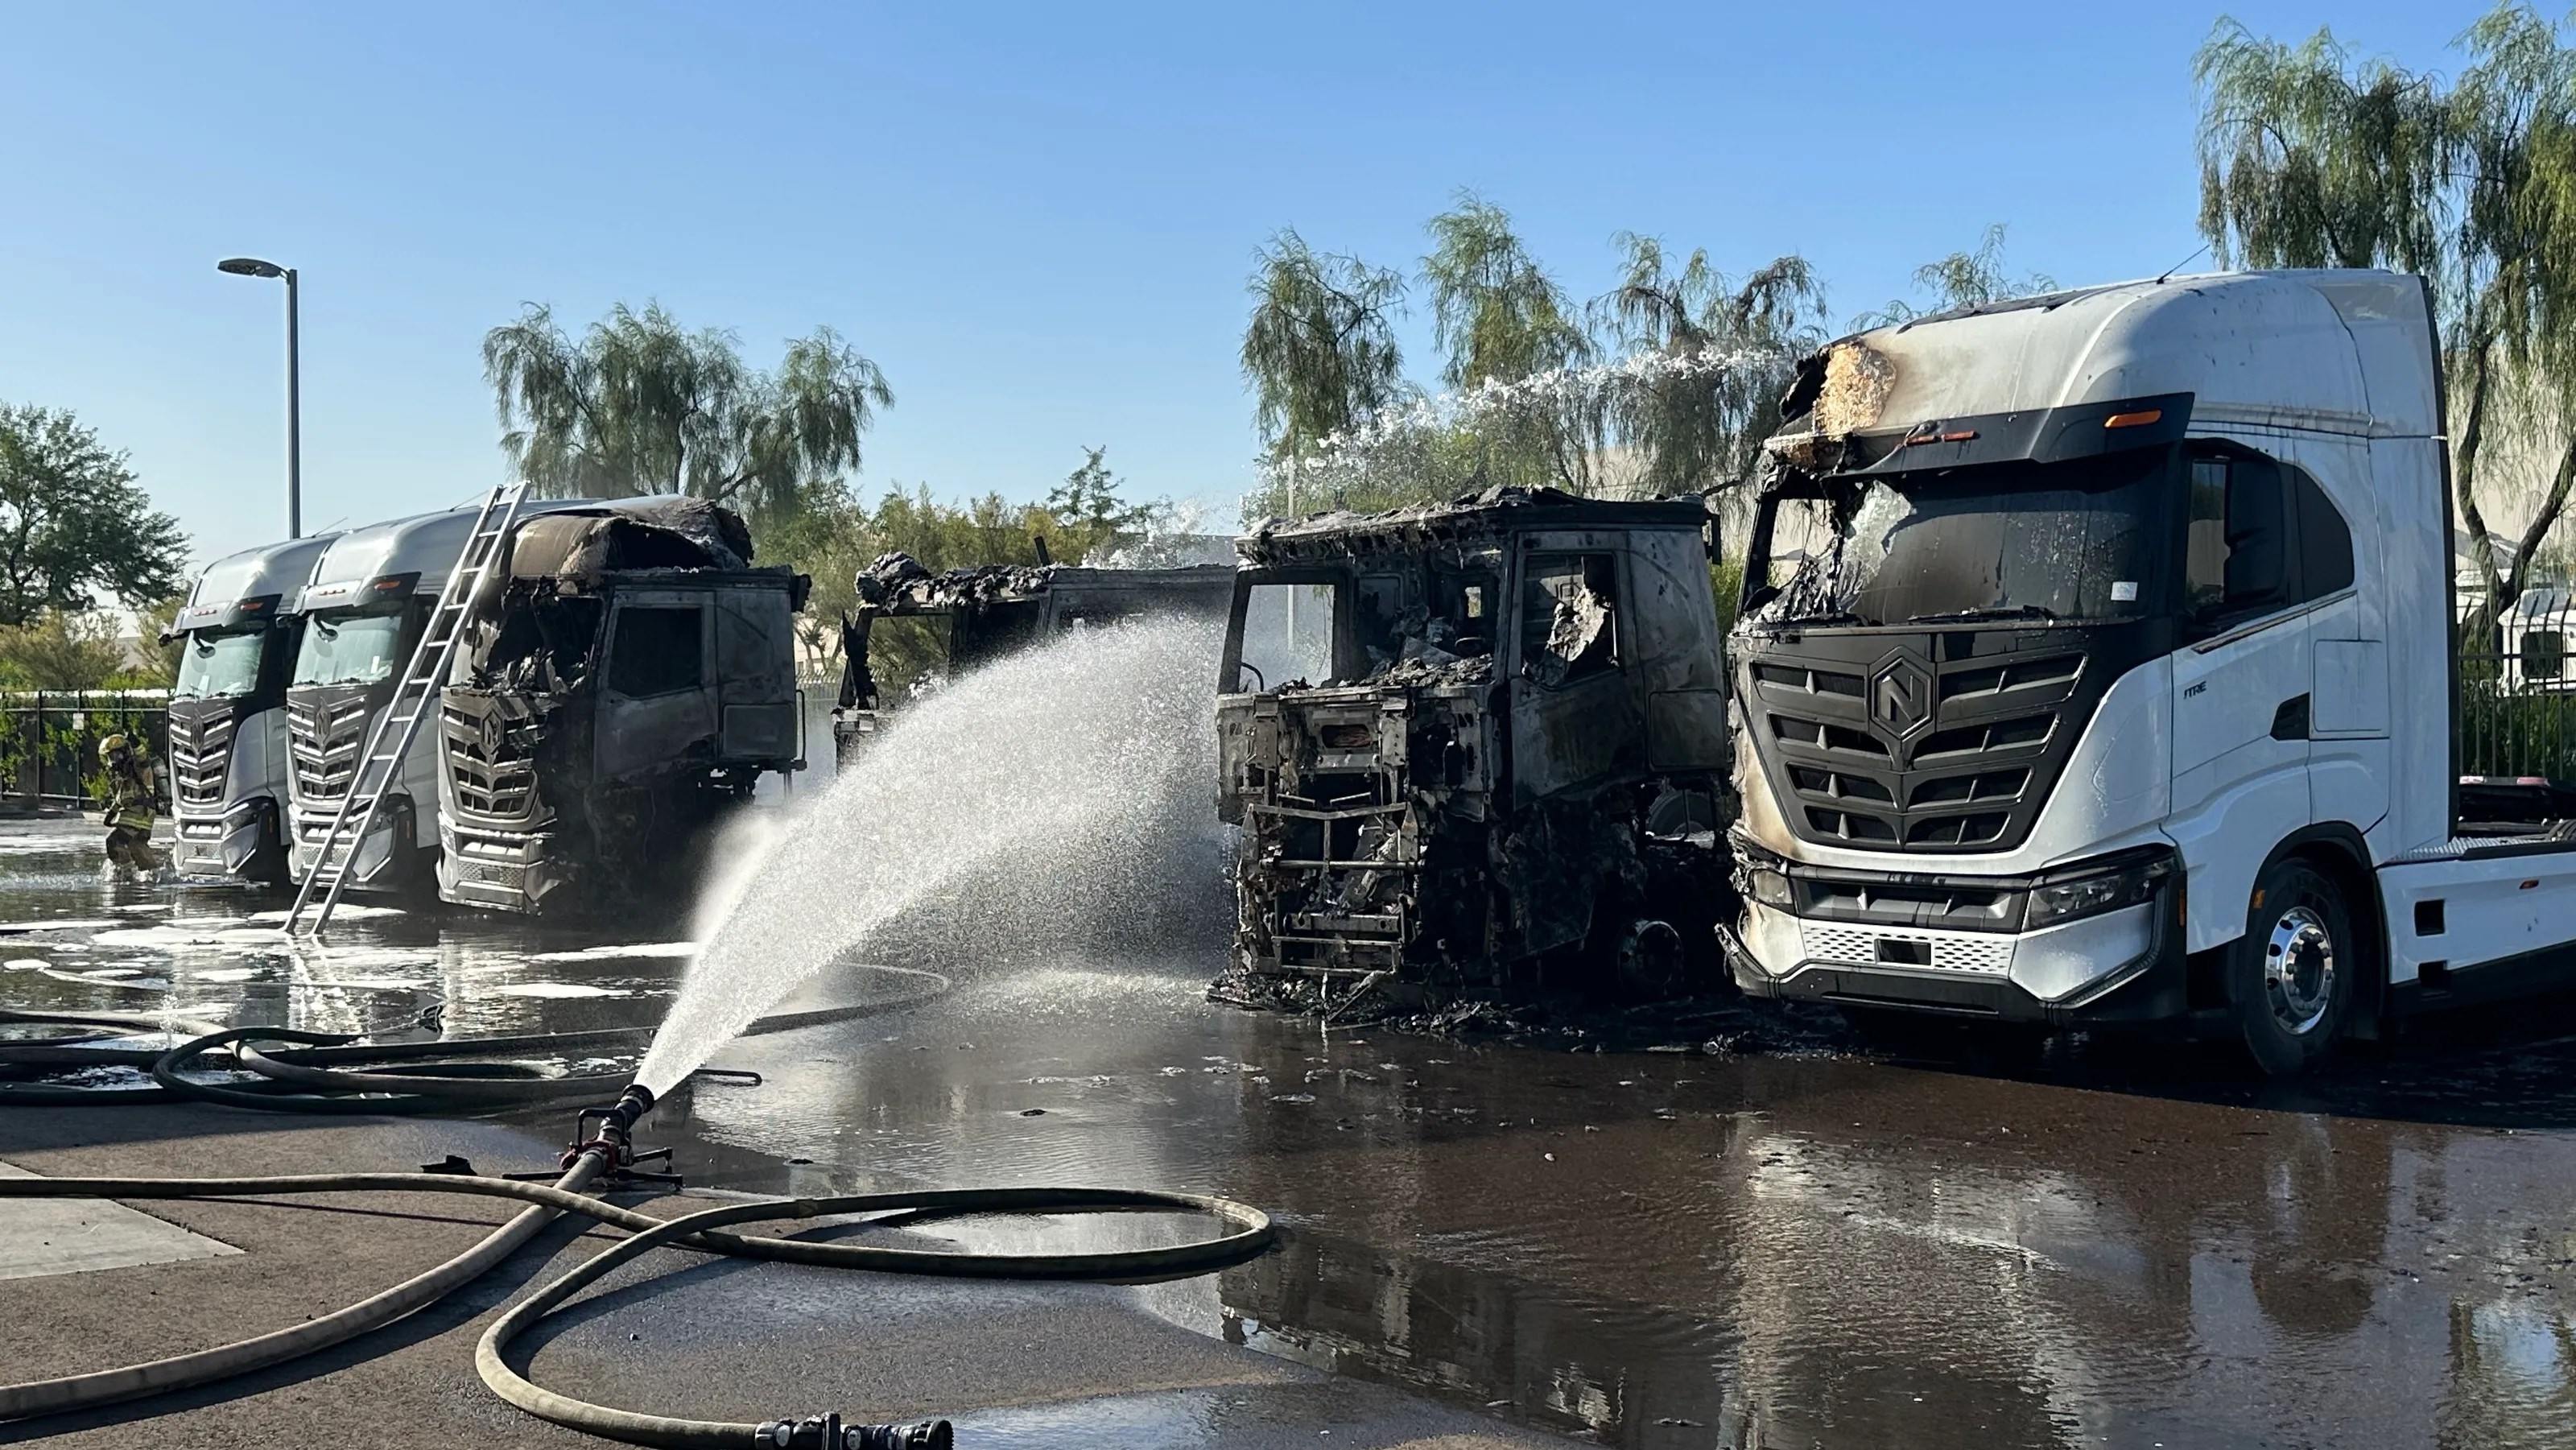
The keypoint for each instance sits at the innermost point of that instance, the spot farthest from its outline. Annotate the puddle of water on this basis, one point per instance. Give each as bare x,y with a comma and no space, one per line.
665,950
1647,1250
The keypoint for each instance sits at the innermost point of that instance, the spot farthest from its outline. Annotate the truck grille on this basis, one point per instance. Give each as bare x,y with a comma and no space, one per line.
492,773
1894,747
324,737
1862,947
201,754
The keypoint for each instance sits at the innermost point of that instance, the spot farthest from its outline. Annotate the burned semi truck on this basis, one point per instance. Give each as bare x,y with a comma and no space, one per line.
621,684
1477,747
237,637
987,612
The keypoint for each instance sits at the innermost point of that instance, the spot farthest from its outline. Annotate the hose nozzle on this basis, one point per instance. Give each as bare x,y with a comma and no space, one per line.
610,1131
826,1432
632,1105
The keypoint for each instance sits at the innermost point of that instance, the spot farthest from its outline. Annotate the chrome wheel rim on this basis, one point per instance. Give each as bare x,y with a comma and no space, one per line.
2299,971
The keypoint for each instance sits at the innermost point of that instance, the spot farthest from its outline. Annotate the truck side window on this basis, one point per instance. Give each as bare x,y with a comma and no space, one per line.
657,651
2262,536
1569,616
2237,548
2325,541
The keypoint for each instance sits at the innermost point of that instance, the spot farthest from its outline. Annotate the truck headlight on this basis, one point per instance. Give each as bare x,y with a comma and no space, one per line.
1769,887
2095,892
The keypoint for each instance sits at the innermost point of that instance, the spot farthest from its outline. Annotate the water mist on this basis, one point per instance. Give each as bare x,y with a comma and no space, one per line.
1059,790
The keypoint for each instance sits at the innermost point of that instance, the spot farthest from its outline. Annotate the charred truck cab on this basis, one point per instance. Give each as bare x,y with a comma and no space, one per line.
1476,747
995,609
237,638
620,686
2093,670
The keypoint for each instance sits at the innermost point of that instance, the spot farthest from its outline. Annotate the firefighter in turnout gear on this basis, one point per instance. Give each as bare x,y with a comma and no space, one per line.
133,789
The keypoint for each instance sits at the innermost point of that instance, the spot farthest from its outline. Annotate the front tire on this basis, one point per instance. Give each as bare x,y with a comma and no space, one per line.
2291,975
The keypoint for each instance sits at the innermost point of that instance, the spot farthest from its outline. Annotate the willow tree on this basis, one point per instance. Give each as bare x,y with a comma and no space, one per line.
638,405
1962,279
1723,350
2310,158
1495,312
1320,349
1502,322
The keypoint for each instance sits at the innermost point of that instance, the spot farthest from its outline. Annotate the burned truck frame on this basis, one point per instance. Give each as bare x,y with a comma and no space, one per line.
1477,747
996,609
621,685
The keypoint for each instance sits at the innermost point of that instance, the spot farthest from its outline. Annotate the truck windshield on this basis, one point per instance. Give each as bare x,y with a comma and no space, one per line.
1285,634
2080,540
348,649
216,666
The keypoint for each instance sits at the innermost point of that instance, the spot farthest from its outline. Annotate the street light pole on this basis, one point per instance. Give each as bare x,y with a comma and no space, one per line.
294,419
254,267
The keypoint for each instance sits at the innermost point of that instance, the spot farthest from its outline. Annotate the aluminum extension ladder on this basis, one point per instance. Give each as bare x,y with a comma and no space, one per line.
414,697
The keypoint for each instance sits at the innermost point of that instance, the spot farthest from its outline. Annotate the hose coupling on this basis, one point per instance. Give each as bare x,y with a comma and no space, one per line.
826,1432
610,1132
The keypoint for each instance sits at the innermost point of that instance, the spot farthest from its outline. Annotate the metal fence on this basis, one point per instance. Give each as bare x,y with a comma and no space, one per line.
2518,710
49,742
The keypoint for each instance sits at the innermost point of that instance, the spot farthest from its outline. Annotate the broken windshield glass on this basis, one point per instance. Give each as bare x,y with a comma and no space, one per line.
2081,540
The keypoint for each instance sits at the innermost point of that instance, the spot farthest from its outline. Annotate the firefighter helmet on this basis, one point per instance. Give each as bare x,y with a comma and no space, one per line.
112,746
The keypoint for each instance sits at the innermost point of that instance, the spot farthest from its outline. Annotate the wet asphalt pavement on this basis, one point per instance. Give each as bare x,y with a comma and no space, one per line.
2108,1245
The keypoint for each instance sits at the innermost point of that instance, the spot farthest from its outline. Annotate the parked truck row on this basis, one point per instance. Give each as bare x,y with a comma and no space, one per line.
2095,666
624,679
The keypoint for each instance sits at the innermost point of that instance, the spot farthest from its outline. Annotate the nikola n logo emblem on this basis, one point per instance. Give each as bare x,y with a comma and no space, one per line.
1900,697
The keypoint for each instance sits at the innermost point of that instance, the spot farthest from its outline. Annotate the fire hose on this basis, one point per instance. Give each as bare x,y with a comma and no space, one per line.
603,1151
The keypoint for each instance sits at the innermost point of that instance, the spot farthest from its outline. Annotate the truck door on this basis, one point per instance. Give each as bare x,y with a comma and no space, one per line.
655,704
756,673
2242,704
1574,704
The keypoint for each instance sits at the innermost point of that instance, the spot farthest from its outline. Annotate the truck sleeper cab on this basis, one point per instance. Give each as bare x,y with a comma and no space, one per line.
237,638
620,689
2092,671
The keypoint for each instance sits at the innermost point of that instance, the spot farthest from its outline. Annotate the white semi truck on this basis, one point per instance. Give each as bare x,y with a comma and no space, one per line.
2096,666
237,638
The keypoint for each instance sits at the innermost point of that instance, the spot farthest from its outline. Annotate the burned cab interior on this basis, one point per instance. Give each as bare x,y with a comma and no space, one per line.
620,687
1422,714
915,628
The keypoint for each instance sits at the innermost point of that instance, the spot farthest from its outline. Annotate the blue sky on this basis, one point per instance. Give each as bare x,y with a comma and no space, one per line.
1038,219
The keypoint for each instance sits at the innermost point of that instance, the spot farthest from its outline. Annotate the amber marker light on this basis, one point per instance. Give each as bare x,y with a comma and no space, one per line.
2133,420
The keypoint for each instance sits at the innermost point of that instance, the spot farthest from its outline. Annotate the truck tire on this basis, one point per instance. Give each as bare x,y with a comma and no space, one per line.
2291,975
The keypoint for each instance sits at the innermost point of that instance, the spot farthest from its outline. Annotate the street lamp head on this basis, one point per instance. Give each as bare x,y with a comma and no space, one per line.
249,267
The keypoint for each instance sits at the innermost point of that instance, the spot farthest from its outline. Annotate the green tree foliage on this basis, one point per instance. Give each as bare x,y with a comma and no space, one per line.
638,405
1730,345
1494,311
1320,349
2310,158
1666,384
1961,279
1090,513
74,523
66,650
